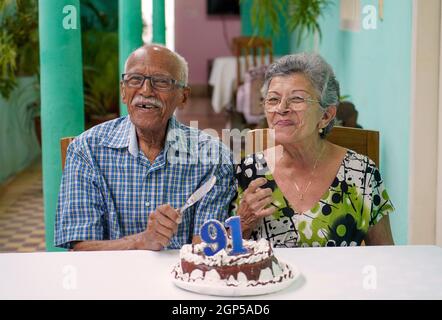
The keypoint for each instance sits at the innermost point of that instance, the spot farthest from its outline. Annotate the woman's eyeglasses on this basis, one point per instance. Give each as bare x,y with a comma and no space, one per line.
294,103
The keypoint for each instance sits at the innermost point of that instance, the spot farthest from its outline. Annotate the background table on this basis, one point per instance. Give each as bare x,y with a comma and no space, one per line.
402,272
223,80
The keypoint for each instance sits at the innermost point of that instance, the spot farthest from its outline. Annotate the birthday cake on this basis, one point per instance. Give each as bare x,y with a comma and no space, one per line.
258,266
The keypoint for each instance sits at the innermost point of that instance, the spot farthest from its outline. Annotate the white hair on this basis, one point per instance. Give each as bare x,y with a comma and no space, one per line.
316,69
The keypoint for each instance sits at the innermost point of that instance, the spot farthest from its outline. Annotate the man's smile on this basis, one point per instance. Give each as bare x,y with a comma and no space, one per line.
147,106
147,102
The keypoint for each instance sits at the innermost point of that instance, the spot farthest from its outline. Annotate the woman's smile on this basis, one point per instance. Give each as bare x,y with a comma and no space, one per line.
284,123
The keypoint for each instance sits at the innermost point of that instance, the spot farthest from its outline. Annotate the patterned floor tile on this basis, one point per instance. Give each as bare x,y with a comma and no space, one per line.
21,213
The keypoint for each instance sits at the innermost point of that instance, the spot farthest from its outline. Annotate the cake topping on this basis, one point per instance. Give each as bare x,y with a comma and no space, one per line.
222,260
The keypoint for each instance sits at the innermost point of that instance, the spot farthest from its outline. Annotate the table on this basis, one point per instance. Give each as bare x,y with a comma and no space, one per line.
223,80
401,272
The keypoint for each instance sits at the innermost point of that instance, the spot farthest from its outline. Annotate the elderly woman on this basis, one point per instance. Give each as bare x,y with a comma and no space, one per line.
313,192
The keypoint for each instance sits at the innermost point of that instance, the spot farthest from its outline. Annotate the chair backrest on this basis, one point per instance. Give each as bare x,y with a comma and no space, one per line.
362,141
64,143
249,98
249,49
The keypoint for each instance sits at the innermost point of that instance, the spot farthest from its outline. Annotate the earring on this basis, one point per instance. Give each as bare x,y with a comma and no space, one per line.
321,130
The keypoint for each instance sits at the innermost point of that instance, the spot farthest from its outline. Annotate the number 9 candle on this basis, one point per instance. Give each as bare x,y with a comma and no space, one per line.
214,233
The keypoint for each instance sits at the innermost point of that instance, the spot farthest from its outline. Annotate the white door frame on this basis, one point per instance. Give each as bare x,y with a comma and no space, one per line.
439,148
425,184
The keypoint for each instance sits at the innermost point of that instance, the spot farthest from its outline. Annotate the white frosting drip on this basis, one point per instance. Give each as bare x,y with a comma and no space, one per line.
265,275
196,274
231,281
276,269
212,275
242,278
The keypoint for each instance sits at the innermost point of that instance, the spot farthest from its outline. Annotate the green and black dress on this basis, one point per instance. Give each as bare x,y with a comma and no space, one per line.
355,201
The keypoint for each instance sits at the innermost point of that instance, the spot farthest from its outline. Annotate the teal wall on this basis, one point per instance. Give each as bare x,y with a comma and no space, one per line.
19,146
374,68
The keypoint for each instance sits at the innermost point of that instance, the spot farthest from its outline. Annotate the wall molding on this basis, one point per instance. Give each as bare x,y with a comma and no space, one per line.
439,148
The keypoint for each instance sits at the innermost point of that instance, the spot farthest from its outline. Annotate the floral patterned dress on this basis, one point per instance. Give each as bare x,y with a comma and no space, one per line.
355,201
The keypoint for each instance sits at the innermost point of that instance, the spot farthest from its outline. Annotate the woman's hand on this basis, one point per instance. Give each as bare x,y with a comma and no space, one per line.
253,206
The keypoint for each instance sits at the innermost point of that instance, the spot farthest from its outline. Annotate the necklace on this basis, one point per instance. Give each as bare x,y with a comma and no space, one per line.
301,194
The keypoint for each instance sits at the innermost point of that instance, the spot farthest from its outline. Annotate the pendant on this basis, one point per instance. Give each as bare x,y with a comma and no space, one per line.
301,197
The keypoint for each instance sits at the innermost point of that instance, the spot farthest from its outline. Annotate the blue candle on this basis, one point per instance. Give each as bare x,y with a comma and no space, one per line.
213,232
234,223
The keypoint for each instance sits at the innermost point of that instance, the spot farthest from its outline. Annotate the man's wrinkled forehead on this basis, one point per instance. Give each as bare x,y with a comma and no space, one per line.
144,56
139,54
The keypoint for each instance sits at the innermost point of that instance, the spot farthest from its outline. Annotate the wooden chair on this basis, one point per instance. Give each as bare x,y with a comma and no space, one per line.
251,53
64,143
249,49
362,141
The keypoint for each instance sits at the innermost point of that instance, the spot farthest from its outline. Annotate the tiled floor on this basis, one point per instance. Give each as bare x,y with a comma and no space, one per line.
21,212
21,199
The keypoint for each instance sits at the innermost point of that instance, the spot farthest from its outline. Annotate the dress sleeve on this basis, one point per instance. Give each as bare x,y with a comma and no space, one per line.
234,205
250,168
80,208
381,204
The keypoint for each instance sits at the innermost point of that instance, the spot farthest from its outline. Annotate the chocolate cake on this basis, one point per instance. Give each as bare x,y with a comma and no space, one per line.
258,266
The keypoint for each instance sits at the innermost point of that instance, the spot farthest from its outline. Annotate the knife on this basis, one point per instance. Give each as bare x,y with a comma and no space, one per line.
198,195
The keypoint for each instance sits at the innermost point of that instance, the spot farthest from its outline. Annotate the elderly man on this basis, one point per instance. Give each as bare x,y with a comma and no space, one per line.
125,179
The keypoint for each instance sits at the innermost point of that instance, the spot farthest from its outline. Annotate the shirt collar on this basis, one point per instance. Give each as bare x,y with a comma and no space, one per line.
175,136
119,138
133,141
125,136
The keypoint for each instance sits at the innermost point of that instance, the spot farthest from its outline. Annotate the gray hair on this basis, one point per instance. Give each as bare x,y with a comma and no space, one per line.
184,70
317,71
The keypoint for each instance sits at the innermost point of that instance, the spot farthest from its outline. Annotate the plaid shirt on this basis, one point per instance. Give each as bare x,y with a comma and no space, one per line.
109,188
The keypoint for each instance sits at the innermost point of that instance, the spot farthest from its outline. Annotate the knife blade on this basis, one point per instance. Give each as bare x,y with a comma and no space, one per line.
198,195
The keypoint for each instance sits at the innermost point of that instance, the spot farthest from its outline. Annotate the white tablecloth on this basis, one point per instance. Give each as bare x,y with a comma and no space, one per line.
400,272
223,80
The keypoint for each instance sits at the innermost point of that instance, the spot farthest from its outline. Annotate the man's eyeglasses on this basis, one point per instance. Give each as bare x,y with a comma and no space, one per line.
294,103
160,83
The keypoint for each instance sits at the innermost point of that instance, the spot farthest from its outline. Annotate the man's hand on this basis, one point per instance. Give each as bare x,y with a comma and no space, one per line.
254,206
161,227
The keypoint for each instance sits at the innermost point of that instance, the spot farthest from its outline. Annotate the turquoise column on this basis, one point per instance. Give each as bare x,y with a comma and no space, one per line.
159,22
62,107
130,30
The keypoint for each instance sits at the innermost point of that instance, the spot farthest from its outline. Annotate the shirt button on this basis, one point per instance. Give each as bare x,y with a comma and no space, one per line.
147,203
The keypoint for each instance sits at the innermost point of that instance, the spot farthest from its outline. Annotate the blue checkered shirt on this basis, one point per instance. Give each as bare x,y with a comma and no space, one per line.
109,188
